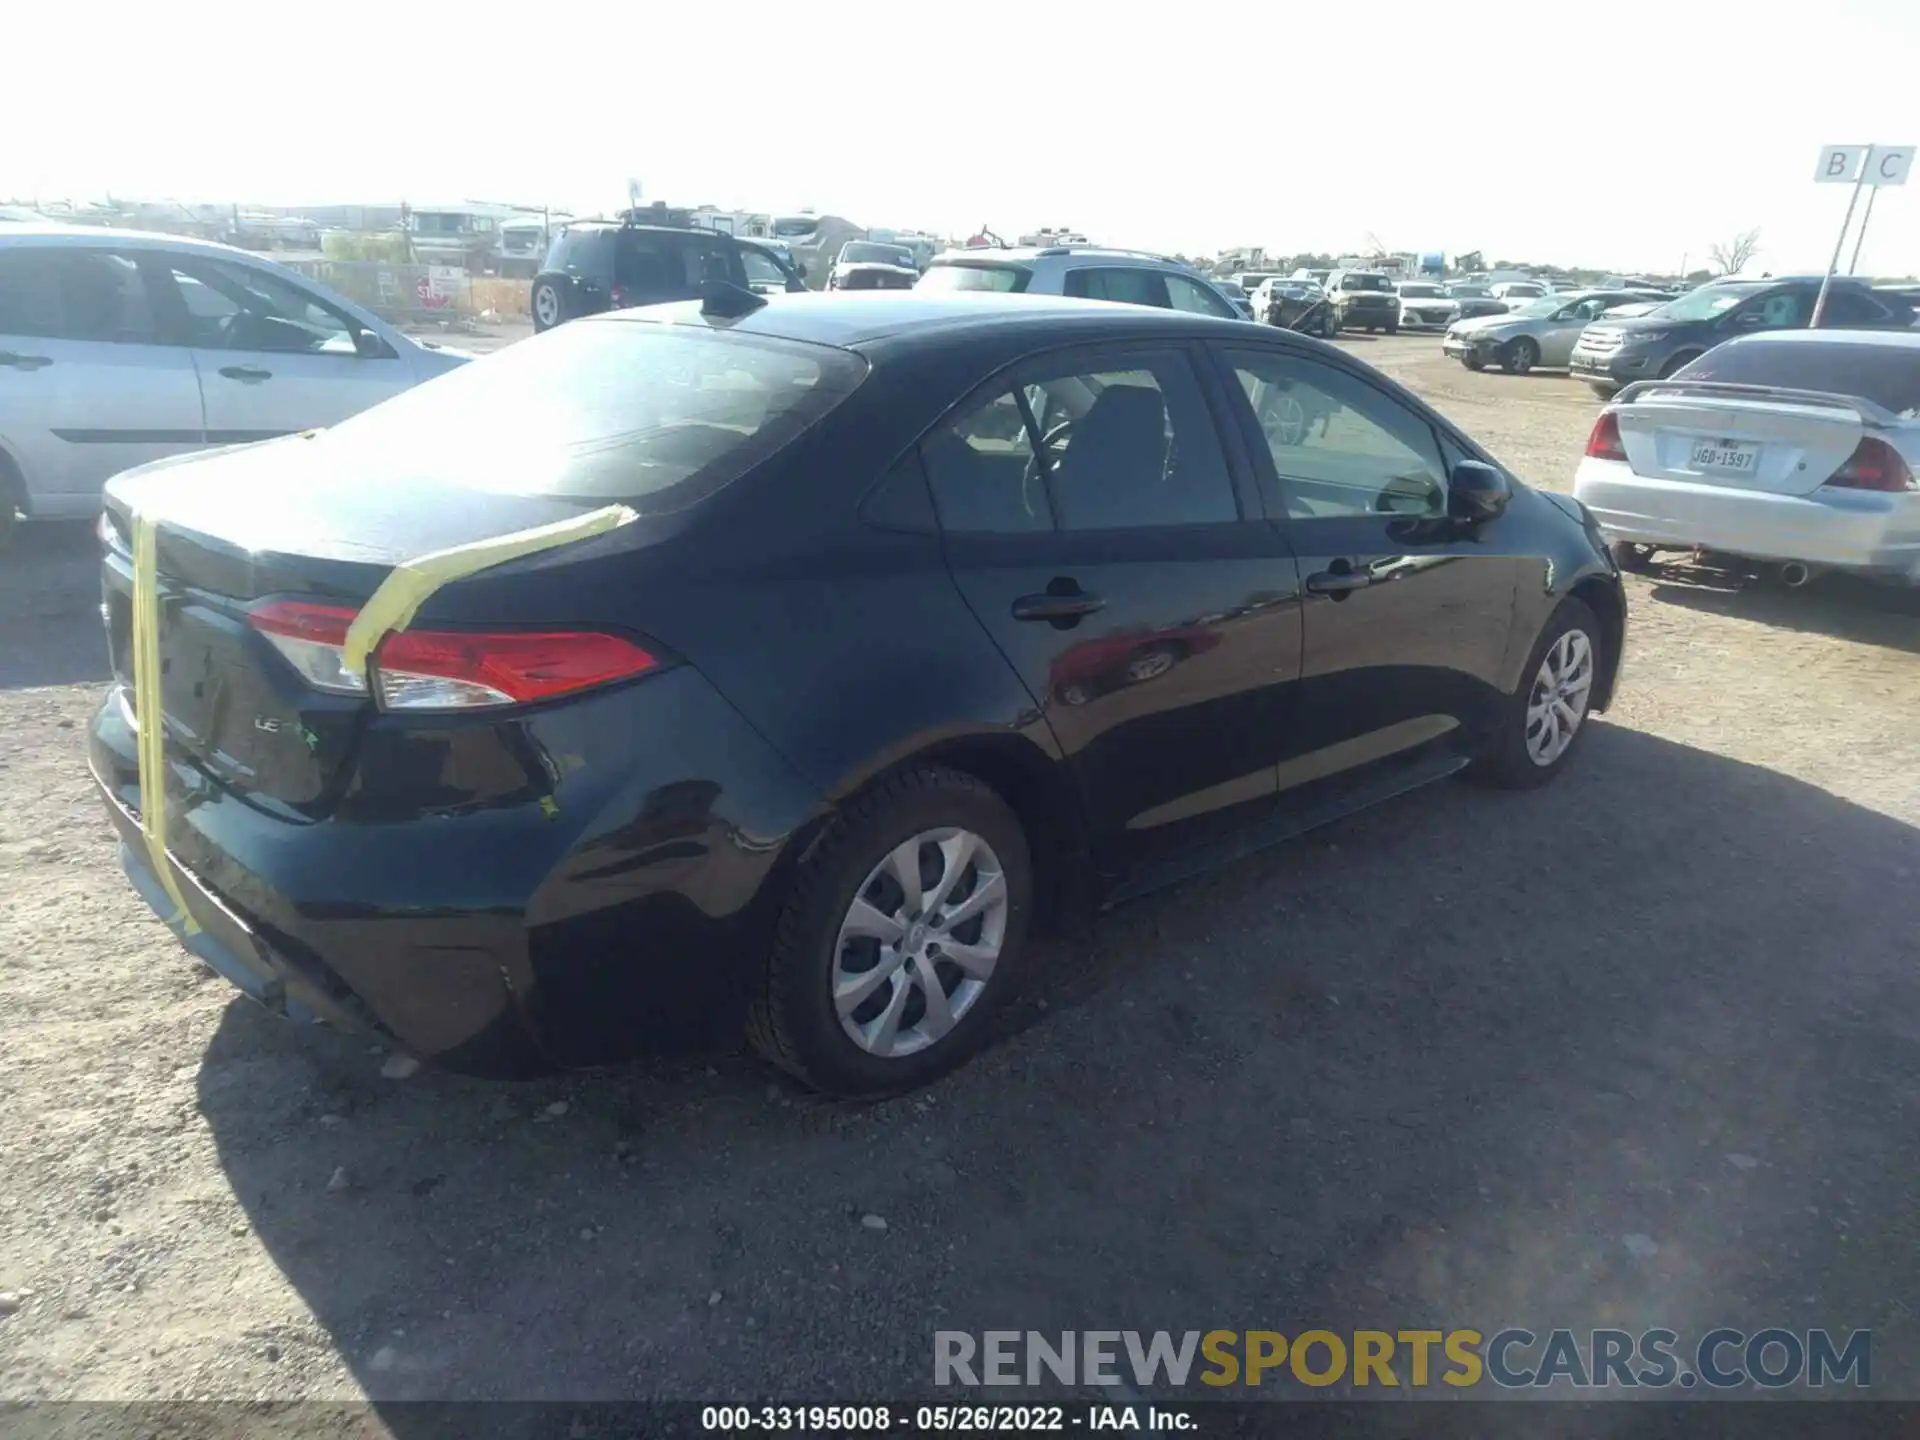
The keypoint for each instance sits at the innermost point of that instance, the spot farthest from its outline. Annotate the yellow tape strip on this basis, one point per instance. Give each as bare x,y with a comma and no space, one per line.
391,607
148,704
402,593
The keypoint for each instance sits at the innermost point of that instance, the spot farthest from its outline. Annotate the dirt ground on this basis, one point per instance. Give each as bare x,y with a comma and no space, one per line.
1643,1048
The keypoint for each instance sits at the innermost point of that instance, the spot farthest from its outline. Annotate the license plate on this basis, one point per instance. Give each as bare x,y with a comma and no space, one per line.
1724,457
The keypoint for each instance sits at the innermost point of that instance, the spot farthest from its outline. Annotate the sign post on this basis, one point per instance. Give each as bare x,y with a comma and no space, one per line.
1862,166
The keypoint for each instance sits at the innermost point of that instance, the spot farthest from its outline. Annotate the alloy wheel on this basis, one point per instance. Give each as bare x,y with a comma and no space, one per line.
1150,666
1284,421
920,942
546,306
1558,704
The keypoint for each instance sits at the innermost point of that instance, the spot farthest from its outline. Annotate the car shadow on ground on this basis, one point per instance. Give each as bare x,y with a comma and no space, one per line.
50,630
1639,1049
1845,607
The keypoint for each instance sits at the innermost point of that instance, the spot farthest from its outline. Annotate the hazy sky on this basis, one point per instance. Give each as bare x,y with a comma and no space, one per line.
1629,135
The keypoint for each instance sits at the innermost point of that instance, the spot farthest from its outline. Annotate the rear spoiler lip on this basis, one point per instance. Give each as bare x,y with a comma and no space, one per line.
1873,416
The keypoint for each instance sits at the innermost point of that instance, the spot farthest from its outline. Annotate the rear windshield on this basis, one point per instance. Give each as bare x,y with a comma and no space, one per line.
858,252
789,226
590,252
973,275
1888,375
1364,282
1420,292
606,410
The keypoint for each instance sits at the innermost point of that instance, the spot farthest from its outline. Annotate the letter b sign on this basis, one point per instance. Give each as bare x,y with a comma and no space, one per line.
1840,164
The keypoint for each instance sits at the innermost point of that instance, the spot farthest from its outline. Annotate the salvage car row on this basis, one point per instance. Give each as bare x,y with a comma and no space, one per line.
783,661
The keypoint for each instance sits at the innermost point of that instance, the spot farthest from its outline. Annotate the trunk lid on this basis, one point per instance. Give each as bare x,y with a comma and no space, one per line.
1774,446
264,520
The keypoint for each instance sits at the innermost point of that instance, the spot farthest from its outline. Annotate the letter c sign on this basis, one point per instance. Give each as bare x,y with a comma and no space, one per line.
1889,164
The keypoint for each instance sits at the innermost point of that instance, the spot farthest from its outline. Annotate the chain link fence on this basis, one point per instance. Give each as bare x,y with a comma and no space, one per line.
410,294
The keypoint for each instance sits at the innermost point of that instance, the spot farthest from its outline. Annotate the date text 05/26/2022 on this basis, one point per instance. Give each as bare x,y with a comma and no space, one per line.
963,1419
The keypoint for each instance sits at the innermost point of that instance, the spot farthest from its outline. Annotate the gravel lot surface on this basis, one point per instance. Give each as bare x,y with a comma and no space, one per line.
1643,1048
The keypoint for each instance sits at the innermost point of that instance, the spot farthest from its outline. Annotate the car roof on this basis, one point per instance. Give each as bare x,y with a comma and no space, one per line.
854,319
106,237
1877,339
1025,254
621,225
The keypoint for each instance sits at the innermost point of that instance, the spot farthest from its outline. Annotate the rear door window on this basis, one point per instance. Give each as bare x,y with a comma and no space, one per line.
1850,307
1124,284
75,293
1198,299
657,415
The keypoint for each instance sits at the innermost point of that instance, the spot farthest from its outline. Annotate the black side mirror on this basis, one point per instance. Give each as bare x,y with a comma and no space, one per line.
1477,492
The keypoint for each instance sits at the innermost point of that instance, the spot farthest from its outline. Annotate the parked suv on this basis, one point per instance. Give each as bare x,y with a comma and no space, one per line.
597,265
1364,300
1132,277
1613,353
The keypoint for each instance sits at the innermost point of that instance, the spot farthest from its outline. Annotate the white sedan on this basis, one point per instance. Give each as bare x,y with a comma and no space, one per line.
118,347
1425,305
1796,447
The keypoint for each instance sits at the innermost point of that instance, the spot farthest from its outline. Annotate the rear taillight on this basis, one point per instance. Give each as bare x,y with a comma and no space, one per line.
619,293
1874,465
447,669
1604,442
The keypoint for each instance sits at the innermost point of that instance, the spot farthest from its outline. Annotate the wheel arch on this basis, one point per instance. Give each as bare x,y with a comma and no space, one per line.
1602,596
1035,786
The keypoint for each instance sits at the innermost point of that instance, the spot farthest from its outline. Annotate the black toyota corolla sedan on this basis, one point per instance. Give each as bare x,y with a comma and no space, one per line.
931,620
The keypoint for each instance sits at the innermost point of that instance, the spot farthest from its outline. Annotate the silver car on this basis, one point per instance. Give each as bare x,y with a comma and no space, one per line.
1797,447
1542,332
1093,272
118,347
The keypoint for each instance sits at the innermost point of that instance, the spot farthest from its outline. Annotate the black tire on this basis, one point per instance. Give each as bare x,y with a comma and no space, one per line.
792,1021
1393,327
1329,326
1505,764
1630,557
547,297
1674,362
1520,356
1604,389
1473,361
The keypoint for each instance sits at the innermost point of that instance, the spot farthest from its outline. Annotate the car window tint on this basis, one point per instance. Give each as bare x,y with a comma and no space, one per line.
1131,448
30,301
1339,446
1849,307
1781,310
238,307
1888,375
80,293
761,269
1197,299
659,415
981,466
1125,285
587,252
105,299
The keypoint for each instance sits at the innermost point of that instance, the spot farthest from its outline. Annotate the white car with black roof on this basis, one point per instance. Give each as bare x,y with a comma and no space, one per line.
1798,448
